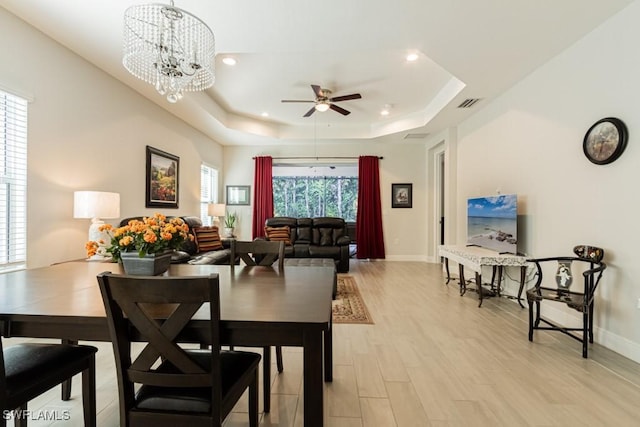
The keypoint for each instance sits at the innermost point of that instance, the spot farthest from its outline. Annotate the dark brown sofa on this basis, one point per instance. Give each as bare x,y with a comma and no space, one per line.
188,252
323,237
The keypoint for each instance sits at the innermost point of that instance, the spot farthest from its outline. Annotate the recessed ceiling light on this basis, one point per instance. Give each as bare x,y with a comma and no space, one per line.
412,57
385,110
229,60
265,114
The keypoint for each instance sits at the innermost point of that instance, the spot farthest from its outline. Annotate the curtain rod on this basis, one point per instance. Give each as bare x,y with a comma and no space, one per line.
317,158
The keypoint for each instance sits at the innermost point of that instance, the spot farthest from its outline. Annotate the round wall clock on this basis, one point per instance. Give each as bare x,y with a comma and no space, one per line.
605,140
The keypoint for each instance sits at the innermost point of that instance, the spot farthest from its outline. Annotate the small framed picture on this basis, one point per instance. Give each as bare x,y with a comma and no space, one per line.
401,195
238,194
162,179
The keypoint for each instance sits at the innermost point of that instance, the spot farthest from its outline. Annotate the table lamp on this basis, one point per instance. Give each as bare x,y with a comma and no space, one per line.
216,210
96,205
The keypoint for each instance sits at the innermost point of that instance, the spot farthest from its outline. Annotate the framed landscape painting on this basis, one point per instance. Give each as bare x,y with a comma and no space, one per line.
162,179
401,195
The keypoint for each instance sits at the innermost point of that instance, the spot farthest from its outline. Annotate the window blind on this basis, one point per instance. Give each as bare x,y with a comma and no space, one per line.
208,191
13,181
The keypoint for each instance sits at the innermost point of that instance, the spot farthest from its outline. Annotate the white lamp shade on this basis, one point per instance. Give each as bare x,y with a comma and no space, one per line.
96,204
216,209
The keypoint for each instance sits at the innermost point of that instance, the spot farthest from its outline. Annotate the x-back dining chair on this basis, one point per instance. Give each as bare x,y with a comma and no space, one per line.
261,253
28,370
258,252
178,386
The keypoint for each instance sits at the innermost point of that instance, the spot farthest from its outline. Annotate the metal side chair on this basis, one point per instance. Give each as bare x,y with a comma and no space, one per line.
261,253
30,369
588,261
177,386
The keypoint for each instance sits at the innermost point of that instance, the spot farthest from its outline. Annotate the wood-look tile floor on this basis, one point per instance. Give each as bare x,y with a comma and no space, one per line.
432,358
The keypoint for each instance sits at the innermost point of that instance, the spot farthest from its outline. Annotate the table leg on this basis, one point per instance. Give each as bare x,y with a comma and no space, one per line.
328,353
479,287
500,271
446,267
463,282
523,277
312,378
266,378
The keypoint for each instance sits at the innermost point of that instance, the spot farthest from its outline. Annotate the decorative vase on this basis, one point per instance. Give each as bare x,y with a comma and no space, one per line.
148,265
227,232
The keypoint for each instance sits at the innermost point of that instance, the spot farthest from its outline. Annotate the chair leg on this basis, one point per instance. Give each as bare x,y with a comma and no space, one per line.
530,320
591,322
66,385
21,417
279,359
253,401
89,393
585,332
266,378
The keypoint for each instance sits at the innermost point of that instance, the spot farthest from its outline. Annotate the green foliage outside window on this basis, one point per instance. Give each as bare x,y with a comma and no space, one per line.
313,196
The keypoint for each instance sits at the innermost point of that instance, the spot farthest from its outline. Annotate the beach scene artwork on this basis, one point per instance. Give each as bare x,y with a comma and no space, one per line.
492,223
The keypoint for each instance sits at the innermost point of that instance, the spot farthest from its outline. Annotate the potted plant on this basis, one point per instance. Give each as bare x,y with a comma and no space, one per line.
229,224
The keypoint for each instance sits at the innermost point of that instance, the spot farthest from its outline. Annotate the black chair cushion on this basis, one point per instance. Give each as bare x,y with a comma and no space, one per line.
29,364
233,364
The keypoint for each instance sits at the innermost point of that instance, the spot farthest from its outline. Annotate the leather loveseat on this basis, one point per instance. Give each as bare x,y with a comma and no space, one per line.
190,251
323,237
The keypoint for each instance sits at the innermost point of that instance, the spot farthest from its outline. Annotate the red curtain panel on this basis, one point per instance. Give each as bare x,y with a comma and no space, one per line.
369,215
262,194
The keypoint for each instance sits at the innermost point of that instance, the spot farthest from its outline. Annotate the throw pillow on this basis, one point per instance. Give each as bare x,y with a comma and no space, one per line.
278,234
207,239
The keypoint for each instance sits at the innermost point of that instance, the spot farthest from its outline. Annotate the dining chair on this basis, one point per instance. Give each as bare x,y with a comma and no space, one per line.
258,252
177,386
557,288
261,253
28,370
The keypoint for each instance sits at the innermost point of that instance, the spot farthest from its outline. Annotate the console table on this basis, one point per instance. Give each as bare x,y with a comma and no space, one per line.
475,258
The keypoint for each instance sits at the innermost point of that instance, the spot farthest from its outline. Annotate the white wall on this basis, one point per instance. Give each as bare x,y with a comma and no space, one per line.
87,131
405,230
529,142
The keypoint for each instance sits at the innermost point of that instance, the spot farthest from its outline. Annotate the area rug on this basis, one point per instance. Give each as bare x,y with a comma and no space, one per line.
348,307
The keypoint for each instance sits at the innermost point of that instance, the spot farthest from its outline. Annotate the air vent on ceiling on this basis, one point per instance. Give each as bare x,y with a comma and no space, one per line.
469,102
415,135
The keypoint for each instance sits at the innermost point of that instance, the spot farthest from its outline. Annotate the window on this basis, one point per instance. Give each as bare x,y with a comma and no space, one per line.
13,182
208,191
314,191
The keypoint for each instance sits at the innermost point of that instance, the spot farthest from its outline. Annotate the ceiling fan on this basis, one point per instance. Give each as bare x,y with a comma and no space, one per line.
324,101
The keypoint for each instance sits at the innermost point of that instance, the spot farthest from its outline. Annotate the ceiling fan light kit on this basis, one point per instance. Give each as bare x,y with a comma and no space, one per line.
169,48
324,101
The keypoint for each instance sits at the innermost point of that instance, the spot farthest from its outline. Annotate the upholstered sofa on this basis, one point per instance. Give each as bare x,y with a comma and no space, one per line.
323,237
205,248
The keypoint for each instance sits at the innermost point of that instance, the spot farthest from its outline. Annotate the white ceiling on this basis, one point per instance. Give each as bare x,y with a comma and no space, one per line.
466,48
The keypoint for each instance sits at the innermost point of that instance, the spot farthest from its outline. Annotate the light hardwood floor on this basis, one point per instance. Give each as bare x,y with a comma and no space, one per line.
432,358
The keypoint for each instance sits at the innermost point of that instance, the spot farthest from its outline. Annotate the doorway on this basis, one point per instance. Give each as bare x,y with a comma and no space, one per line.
438,159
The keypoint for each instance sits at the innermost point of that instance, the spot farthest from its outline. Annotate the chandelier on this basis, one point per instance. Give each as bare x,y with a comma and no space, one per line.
169,48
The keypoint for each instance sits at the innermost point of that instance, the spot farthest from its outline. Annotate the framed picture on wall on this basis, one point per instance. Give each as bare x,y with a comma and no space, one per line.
238,194
401,195
162,179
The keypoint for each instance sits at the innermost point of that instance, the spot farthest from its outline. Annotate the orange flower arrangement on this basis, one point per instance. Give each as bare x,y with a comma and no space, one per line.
152,235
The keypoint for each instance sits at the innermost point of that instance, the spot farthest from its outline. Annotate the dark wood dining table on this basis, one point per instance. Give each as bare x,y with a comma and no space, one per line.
260,306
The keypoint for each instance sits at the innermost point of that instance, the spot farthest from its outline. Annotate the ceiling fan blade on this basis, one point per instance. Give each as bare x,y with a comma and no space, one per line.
346,97
340,110
310,112
296,100
317,90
